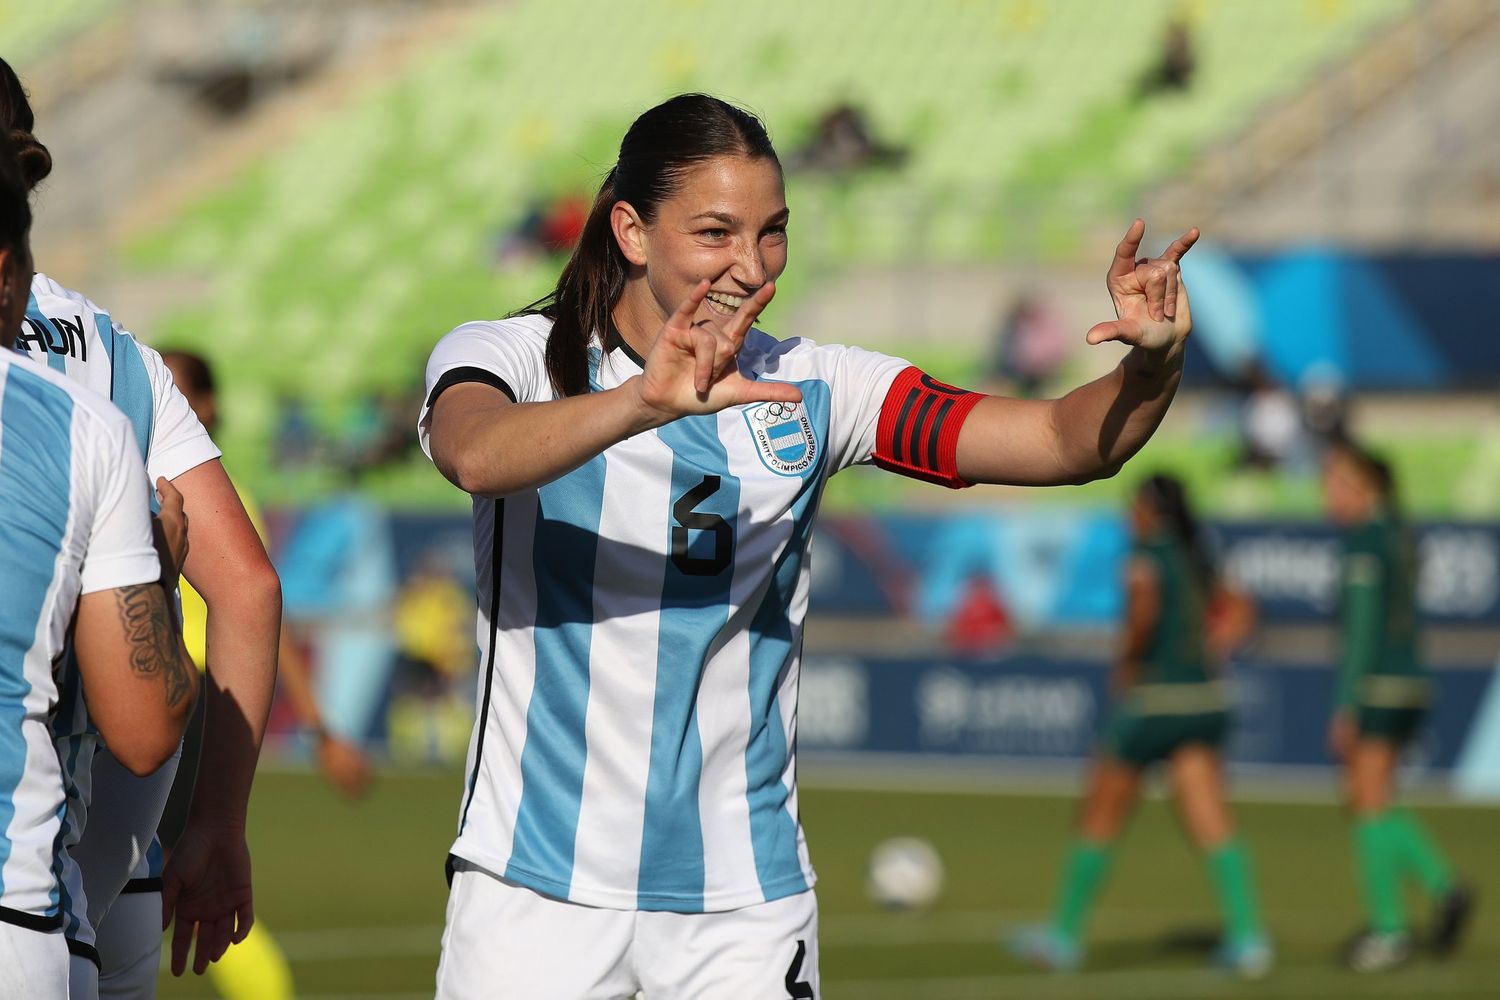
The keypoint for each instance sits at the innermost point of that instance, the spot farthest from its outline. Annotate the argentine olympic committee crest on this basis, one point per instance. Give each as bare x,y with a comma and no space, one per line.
784,437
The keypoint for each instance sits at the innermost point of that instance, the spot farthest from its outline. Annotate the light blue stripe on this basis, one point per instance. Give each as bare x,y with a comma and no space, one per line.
131,392
694,610
35,493
566,540
773,830
156,858
106,329
55,360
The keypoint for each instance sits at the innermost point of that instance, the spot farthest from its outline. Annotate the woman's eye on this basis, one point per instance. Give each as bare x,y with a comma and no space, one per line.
776,232
714,234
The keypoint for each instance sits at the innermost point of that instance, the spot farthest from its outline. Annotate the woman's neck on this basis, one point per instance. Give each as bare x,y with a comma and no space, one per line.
637,318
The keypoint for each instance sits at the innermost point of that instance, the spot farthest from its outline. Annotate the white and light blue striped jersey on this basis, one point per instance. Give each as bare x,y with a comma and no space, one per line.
74,519
640,628
76,338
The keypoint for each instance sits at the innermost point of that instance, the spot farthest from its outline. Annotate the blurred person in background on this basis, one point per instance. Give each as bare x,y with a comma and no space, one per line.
113,813
645,470
1030,349
81,569
1383,694
1172,707
254,968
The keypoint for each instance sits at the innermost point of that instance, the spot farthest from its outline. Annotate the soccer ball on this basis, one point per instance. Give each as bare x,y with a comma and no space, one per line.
904,873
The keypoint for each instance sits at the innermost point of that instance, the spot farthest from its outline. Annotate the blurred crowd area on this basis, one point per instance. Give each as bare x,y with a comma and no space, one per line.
311,193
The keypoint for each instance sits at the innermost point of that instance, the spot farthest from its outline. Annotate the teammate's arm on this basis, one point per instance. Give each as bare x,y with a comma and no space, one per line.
138,680
1093,430
488,445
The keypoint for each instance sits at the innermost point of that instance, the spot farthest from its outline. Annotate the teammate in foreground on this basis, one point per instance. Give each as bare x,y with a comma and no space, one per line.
1171,708
113,814
645,468
1383,693
76,551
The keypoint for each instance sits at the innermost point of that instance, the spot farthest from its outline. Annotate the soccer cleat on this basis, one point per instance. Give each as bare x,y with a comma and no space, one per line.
1378,951
1450,917
1248,958
1045,948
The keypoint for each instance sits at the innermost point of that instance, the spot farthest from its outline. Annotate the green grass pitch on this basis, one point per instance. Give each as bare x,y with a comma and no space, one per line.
355,894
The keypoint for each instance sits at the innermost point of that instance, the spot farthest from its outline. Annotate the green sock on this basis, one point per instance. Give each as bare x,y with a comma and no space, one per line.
1419,853
1082,873
1229,865
1377,848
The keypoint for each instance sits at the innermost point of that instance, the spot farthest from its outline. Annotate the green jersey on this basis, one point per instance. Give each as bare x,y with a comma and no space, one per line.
1379,663
1175,653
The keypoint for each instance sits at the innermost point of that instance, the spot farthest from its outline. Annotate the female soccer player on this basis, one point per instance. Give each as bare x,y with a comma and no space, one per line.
1171,708
1383,693
80,567
645,468
208,884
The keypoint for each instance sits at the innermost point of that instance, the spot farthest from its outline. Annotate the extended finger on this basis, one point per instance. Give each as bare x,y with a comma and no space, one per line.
170,497
245,920
1124,260
1182,244
1169,304
705,347
182,940
1101,333
765,391
745,316
683,317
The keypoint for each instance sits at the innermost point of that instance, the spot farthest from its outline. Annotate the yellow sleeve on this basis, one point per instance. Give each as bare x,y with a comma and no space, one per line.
194,611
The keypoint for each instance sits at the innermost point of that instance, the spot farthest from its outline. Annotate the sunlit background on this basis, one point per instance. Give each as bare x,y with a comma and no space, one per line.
311,192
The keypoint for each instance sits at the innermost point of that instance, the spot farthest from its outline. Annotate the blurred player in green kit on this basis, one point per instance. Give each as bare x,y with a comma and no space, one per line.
1383,693
1170,708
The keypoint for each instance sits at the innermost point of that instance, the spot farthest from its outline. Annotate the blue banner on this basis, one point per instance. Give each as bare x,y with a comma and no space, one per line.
1028,708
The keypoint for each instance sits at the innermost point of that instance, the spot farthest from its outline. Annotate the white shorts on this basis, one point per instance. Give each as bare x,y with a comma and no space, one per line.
504,940
33,964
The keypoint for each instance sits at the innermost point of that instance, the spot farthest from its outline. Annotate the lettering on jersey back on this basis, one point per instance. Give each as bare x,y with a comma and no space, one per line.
784,437
56,334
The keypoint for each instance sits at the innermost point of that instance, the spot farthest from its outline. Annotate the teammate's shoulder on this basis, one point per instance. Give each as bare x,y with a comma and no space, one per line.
55,387
52,296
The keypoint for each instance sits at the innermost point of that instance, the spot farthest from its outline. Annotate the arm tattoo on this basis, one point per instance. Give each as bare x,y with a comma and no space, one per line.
152,635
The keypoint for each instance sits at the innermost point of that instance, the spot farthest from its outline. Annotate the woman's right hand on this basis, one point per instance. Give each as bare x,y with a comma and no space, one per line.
692,367
169,529
1343,733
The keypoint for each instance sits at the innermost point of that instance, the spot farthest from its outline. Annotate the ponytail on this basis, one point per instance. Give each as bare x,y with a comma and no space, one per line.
1169,497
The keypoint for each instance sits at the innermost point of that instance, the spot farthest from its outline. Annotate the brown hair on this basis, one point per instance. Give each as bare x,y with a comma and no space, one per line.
16,117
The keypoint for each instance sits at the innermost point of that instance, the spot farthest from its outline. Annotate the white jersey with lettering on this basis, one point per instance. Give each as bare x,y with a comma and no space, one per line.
77,338
640,628
74,519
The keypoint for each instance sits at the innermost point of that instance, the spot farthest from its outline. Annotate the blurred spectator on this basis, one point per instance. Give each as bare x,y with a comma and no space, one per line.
1031,347
548,227
1272,435
1174,67
844,141
430,718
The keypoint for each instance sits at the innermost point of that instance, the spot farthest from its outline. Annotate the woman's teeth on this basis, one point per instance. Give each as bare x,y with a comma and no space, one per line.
726,303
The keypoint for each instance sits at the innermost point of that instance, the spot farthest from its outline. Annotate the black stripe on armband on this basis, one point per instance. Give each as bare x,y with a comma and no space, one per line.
31,921
458,376
142,885
85,951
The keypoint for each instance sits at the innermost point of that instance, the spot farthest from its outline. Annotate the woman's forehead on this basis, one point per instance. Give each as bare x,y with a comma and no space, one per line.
731,185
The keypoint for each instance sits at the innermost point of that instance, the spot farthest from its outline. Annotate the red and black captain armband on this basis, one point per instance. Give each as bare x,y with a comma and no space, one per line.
919,424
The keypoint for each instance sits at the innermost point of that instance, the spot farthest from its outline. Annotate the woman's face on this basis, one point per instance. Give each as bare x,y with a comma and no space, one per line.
726,222
1347,495
1143,518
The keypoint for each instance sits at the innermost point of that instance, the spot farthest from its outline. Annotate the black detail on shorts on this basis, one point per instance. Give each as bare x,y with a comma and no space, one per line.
31,921
458,376
142,885
798,989
87,951
497,548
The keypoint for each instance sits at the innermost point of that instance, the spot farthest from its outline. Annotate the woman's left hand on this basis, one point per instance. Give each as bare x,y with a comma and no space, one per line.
1151,303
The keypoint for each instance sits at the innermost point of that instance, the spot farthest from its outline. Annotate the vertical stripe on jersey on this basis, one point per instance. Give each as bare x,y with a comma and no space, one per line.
773,829
497,550
566,543
37,324
130,390
694,610
34,462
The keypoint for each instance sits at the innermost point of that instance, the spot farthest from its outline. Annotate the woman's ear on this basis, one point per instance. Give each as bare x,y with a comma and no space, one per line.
630,232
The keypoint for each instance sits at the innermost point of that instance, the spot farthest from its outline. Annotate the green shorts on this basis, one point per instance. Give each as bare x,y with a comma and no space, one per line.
1145,739
1395,725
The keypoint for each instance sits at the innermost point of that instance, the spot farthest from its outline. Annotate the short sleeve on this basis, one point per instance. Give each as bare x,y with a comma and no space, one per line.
120,552
862,380
508,355
179,441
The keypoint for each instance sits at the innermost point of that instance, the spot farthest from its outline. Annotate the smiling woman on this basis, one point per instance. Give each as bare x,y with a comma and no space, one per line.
646,467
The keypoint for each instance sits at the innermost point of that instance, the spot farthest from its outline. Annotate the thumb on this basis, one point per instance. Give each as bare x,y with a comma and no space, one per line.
169,889
170,498
1101,333
769,392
